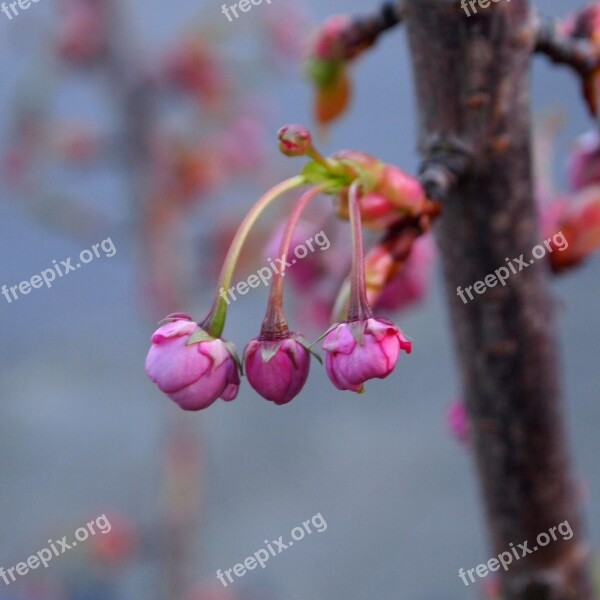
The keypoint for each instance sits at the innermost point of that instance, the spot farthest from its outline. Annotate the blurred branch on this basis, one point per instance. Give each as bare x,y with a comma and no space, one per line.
578,53
365,31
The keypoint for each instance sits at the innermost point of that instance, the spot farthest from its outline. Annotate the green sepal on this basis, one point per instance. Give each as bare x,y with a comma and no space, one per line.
367,179
322,336
267,353
304,343
317,174
200,335
231,349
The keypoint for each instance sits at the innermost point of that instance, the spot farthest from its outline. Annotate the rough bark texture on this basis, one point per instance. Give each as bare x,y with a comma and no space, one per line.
472,80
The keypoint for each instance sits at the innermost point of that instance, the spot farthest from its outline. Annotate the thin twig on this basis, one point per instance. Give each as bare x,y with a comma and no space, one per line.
365,31
576,52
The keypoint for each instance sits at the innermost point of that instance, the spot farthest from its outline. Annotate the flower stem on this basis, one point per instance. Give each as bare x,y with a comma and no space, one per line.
275,323
215,321
313,153
358,308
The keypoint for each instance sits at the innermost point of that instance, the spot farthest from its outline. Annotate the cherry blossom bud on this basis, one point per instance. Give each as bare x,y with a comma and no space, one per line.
294,140
584,163
391,194
327,68
361,350
328,43
82,35
458,422
277,368
192,371
576,229
411,283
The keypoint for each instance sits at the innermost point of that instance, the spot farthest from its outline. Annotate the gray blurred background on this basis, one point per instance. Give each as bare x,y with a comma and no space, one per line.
83,431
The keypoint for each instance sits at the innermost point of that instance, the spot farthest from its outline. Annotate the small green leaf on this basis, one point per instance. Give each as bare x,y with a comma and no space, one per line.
323,73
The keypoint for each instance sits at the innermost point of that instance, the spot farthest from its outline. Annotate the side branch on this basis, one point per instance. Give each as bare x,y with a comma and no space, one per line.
576,52
445,162
365,31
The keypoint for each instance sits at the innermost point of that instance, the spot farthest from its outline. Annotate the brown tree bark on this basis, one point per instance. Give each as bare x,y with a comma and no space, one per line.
472,81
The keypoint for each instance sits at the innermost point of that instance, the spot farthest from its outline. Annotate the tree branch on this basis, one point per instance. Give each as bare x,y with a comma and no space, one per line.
576,52
365,31
505,338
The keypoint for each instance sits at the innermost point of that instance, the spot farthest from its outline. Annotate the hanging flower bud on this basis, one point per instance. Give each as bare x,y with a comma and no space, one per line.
190,366
277,368
584,162
575,233
361,350
411,282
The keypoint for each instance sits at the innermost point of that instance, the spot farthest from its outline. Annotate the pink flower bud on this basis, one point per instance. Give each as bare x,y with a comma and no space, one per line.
294,140
410,284
362,350
83,34
193,375
584,162
458,422
277,369
392,193
576,234
404,191
328,42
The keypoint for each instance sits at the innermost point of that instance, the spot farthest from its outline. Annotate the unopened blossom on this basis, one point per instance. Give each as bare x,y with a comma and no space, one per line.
458,422
277,368
82,35
328,70
390,193
192,375
584,161
573,227
194,67
411,283
294,140
361,350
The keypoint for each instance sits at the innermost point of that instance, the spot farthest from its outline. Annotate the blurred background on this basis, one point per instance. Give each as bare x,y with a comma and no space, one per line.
153,124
